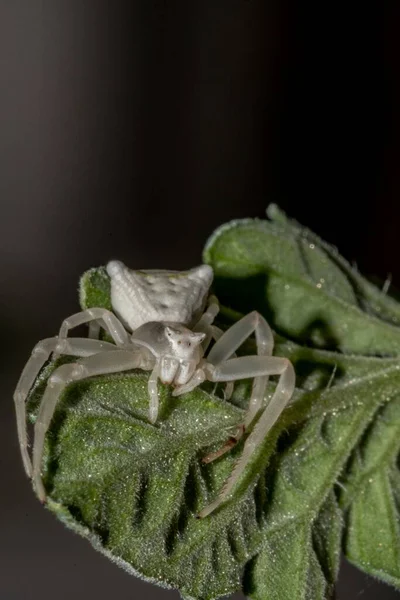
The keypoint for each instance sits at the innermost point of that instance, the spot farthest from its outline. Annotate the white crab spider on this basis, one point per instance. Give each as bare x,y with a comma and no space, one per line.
161,324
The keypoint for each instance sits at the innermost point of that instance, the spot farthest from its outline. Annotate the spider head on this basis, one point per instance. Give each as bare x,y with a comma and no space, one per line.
184,344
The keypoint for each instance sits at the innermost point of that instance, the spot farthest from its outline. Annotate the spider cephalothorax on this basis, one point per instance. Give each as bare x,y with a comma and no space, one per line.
162,321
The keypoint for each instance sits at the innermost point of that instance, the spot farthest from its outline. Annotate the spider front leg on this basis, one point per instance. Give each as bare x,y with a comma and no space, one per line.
40,354
241,368
225,348
98,364
205,325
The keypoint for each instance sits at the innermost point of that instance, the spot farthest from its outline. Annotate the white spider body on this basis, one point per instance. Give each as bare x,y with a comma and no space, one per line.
140,297
155,305
160,323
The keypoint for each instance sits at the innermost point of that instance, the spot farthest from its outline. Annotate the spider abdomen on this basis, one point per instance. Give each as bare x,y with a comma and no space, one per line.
140,297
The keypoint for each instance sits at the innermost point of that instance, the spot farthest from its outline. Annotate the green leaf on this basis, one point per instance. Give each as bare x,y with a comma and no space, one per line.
327,540
372,496
302,286
134,489
287,567
371,298
300,561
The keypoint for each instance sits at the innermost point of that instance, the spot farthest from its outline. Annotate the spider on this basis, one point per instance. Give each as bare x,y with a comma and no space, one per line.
162,321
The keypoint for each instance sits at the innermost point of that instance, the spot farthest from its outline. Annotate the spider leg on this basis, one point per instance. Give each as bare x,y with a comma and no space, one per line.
226,344
153,393
217,333
103,318
197,378
97,364
206,320
253,366
233,440
40,354
94,329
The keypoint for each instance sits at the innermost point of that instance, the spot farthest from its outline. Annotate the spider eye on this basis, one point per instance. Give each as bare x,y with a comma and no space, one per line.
189,344
179,341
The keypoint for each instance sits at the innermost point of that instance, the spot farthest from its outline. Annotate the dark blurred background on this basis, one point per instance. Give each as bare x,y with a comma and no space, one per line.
131,130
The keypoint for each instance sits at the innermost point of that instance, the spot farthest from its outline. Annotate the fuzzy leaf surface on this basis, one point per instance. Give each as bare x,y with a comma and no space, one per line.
134,489
371,298
304,288
301,560
372,496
